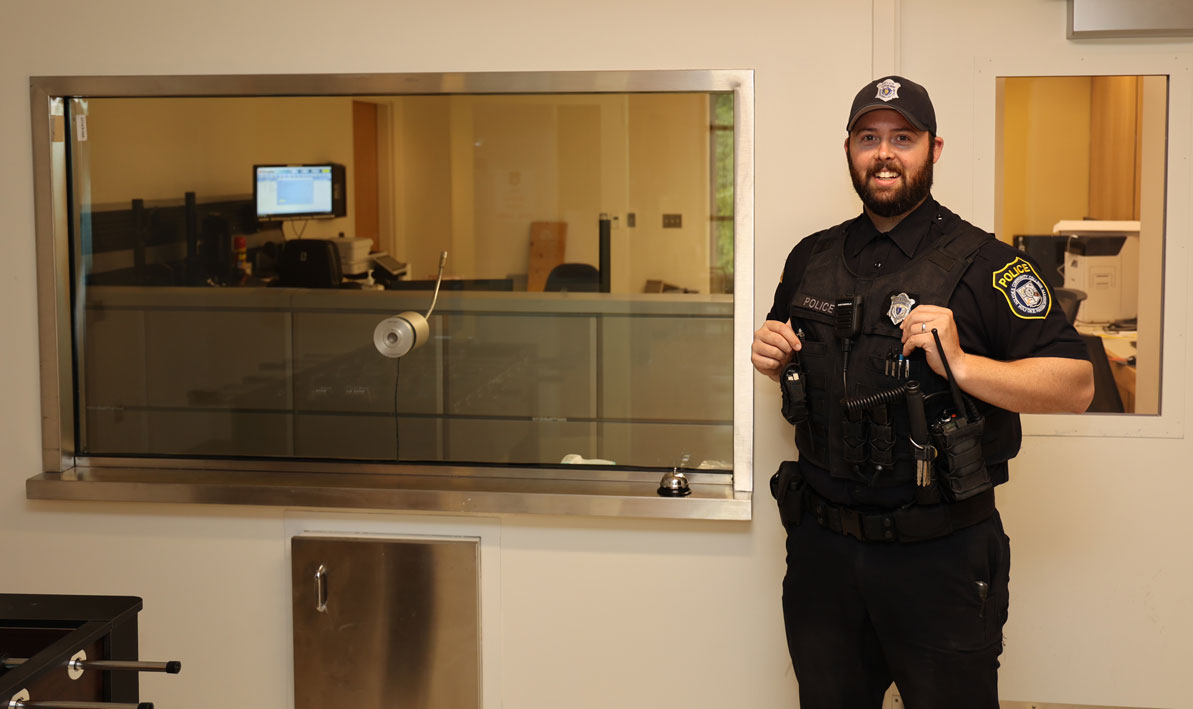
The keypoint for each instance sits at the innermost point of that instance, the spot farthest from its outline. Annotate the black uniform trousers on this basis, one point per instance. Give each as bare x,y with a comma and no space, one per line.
860,615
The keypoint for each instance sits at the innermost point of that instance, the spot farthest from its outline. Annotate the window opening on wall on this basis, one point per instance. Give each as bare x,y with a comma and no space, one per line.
204,331
1081,184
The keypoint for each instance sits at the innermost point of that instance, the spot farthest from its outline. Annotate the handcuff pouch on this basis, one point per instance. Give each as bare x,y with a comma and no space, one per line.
882,444
853,434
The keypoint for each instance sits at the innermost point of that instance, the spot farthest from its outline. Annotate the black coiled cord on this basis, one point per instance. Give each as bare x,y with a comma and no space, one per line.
857,404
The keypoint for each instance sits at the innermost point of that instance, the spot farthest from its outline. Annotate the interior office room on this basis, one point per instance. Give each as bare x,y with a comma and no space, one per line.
585,591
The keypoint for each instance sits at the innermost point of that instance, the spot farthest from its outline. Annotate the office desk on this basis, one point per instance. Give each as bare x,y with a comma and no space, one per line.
1120,347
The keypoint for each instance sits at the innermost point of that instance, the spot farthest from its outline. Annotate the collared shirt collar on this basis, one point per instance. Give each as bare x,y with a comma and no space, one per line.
907,234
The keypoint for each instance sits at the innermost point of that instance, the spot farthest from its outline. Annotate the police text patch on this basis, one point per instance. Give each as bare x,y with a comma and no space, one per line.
1024,290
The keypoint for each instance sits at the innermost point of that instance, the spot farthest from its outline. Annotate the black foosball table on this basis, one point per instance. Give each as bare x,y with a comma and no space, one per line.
71,652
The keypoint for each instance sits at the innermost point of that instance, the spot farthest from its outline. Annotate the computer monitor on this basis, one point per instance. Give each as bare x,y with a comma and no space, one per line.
299,191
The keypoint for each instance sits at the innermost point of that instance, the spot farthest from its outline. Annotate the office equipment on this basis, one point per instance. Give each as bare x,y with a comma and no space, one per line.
1102,259
389,265
309,263
354,254
299,191
1048,251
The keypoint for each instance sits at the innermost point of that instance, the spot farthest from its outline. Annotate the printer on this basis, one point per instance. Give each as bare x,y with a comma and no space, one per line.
1102,260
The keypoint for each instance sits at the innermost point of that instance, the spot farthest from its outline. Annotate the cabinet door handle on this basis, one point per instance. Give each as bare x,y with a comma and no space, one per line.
321,589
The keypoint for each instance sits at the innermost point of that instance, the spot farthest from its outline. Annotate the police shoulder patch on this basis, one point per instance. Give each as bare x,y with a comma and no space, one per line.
1024,290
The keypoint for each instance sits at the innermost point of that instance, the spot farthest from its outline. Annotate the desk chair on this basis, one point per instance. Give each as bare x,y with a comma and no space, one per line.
575,277
1069,300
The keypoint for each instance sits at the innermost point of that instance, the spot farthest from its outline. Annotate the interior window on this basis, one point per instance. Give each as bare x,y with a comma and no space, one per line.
571,256
1081,189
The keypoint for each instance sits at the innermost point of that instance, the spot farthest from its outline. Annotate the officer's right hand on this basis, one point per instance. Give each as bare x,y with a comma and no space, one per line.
773,346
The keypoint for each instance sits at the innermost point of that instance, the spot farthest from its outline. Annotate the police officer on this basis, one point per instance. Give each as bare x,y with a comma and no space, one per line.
906,342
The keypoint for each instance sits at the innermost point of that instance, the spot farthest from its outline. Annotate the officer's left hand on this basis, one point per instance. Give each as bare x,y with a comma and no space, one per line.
917,332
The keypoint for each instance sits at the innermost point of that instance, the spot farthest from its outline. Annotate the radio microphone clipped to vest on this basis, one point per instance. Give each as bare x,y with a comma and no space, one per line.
847,312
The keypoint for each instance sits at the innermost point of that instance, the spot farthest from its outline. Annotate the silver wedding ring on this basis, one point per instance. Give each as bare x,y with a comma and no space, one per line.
923,327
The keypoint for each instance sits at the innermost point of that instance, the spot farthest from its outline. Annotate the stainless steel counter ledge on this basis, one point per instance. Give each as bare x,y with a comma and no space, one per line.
412,493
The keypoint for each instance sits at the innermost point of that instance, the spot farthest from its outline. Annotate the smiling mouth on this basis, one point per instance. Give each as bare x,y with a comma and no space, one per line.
885,176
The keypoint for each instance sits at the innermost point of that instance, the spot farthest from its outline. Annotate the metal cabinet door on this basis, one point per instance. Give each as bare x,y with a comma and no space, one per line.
385,623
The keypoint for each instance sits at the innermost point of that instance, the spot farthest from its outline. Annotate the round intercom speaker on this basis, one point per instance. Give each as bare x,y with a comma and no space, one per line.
397,336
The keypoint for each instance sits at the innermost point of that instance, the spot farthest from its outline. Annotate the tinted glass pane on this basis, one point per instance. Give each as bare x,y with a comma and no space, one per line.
585,310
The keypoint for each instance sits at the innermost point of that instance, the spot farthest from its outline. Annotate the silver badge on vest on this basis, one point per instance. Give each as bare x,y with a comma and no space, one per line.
900,307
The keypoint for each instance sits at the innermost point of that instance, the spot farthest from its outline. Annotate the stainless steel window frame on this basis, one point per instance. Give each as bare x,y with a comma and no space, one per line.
312,484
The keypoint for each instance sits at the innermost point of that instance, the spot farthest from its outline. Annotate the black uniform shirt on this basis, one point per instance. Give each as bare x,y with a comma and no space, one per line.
988,322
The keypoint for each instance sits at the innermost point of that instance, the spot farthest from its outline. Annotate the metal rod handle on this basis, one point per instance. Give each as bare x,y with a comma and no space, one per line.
321,589
53,704
172,667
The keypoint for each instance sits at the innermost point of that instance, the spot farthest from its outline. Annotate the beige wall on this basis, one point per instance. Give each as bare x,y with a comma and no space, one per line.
1045,153
672,131
473,172
1100,611
422,184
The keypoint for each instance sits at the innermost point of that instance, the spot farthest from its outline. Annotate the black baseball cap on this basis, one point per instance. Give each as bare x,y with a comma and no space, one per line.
897,94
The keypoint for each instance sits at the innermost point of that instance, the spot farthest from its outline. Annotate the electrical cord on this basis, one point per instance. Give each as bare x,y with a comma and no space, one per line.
297,233
397,436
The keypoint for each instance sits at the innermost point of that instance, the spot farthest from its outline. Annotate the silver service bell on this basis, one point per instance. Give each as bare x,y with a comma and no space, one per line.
674,484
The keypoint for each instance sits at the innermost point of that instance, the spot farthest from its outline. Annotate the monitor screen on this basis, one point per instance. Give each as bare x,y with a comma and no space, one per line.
298,191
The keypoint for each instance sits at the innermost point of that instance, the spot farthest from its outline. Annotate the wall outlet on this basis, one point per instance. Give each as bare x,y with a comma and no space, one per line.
672,221
631,219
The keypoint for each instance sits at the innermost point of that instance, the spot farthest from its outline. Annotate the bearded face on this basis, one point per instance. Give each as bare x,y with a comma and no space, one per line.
893,185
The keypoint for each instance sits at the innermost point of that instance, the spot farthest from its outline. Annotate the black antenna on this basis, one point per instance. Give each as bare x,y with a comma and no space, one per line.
948,373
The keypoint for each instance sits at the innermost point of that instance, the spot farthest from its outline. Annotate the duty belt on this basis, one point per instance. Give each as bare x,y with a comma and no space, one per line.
907,524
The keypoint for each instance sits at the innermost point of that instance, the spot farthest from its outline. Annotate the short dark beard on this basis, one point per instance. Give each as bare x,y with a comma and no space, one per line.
904,200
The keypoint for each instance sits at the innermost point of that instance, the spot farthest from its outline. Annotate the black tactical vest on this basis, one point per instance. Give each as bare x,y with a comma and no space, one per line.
874,447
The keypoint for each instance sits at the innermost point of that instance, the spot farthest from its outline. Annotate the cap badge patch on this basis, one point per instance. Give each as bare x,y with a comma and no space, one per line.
1024,290
900,307
888,90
